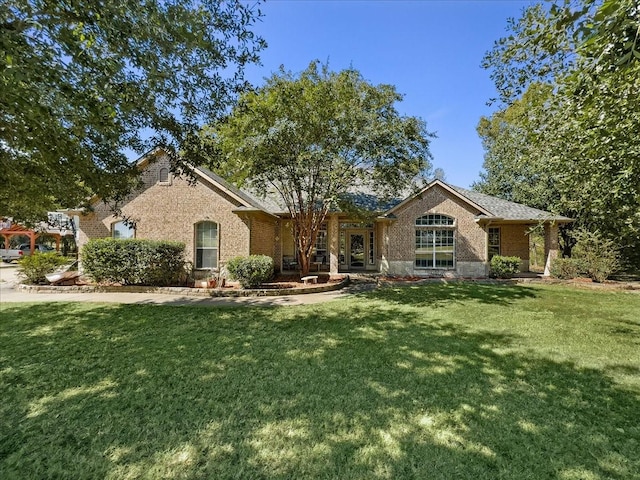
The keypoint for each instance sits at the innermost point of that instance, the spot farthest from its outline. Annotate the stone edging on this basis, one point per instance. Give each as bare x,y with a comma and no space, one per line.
186,291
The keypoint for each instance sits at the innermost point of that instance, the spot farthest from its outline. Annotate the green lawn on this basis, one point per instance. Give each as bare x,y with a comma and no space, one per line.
456,381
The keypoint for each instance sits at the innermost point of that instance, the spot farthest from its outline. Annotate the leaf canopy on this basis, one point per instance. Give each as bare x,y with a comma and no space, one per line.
85,83
314,137
565,138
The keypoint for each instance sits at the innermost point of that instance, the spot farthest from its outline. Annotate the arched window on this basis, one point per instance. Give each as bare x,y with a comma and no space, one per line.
123,230
435,241
206,245
163,175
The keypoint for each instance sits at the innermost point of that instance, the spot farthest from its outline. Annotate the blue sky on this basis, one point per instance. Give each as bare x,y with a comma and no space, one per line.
430,50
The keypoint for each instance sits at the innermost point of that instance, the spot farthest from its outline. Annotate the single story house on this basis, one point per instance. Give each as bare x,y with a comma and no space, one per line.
441,230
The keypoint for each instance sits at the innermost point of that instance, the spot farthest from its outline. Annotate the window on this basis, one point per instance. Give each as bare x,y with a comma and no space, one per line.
494,242
372,258
122,230
435,241
434,220
206,245
163,175
321,241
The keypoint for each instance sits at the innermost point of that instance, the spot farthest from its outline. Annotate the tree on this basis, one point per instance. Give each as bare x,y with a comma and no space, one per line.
515,163
439,174
82,83
313,138
578,136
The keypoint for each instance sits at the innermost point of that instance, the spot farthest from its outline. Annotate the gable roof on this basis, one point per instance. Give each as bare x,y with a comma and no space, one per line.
245,198
445,187
490,208
507,210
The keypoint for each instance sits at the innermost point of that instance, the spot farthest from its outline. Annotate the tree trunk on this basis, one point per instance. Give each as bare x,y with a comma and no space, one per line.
307,223
304,264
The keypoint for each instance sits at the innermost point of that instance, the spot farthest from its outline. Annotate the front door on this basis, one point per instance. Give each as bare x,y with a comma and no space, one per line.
356,250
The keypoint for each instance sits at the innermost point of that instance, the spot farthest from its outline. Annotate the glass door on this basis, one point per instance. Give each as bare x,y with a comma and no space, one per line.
356,250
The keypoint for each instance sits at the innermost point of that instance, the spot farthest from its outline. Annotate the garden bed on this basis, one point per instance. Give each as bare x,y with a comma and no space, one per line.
280,286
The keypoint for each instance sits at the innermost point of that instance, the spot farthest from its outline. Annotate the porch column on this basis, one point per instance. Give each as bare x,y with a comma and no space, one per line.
334,245
384,244
551,245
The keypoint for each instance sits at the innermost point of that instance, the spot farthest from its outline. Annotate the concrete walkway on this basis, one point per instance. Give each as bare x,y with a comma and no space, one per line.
10,294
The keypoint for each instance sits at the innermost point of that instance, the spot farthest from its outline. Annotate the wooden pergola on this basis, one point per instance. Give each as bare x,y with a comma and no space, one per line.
7,232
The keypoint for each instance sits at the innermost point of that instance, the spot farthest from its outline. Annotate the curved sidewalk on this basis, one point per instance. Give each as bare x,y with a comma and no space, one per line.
9,293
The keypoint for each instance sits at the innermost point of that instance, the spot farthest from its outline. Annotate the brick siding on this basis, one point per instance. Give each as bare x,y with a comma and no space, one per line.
263,233
514,241
169,211
470,237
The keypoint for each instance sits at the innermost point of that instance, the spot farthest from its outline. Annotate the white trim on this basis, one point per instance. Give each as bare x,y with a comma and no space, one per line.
448,189
222,187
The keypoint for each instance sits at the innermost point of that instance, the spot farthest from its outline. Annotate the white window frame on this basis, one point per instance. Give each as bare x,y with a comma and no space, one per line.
322,242
198,246
121,231
431,229
168,180
498,246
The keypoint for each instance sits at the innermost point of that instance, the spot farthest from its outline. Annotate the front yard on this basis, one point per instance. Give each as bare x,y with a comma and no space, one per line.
458,381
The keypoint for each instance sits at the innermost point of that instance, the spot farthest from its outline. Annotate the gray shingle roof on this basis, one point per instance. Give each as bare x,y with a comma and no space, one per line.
364,198
505,209
244,194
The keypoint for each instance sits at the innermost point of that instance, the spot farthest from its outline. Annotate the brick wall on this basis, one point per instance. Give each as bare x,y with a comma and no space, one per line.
169,211
514,241
263,233
470,237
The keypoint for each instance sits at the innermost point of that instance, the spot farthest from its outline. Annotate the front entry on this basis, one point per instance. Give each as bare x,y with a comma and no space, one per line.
356,247
356,251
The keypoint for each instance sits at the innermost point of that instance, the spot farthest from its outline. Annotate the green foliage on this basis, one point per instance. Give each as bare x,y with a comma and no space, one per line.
564,140
455,380
134,261
504,267
315,136
251,271
83,82
596,256
514,162
564,268
34,267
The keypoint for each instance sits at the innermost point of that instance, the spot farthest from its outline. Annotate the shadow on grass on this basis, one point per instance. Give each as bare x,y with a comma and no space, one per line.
442,294
340,392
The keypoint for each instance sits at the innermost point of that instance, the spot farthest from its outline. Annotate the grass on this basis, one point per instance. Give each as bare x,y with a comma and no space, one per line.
450,381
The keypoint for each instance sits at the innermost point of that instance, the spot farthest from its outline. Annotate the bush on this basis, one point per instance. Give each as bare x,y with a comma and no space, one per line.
504,267
134,262
35,267
596,256
564,268
251,271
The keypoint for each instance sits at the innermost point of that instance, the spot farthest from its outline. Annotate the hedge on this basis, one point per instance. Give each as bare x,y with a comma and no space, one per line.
134,261
251,271
504,267
564,268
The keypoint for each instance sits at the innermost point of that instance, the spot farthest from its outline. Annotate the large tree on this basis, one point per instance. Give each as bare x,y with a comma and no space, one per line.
315,136
568,77
84,83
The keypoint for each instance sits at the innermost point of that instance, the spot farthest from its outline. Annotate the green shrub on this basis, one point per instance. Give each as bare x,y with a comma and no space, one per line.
596,256
251,271
35,267
504,267
134,261
564,268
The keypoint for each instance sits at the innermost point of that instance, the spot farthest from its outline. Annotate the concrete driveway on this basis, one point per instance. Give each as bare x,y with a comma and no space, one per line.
9,293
